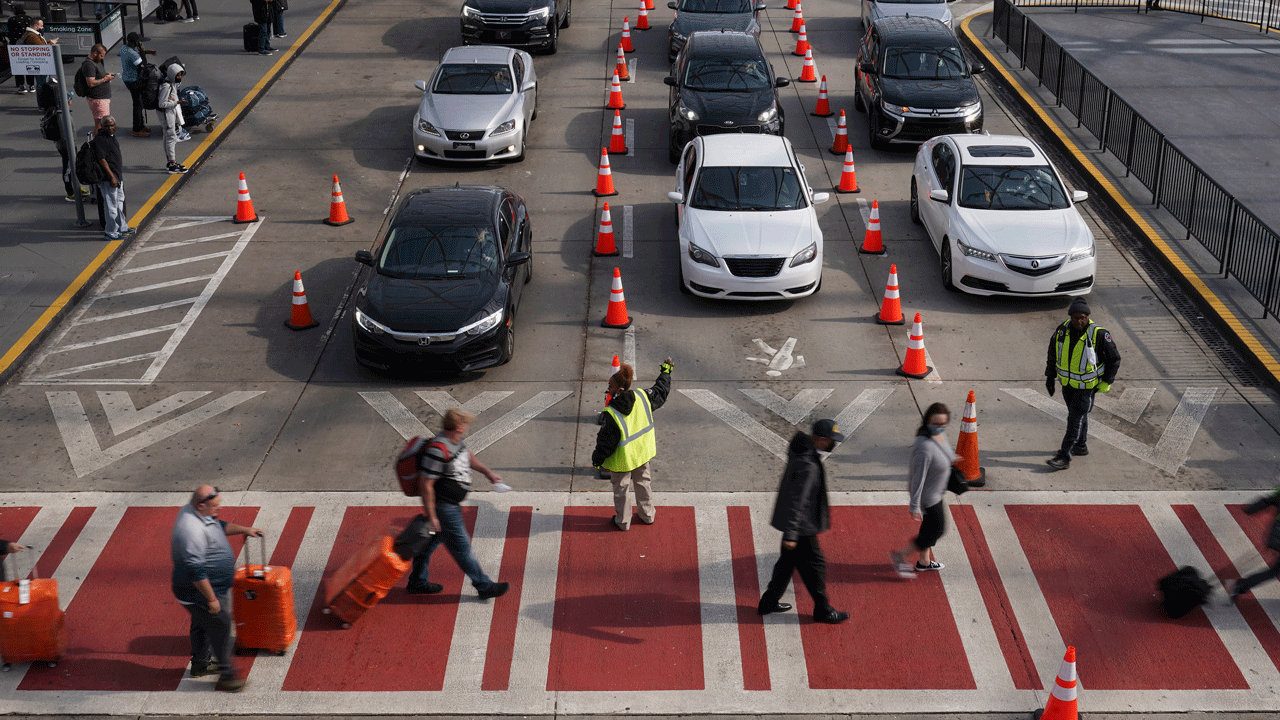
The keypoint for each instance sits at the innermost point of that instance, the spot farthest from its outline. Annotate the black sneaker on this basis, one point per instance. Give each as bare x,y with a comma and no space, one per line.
176,169
1059,462
495,590
1080,449
229,683
428,589
208,668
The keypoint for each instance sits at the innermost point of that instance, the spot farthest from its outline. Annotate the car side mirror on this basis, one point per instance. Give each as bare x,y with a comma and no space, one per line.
675,197
421,85
819,198
977,68
1079,196
518,258
867,68
364,257
671,5
782,82
529,86
761,7
941,196
670,80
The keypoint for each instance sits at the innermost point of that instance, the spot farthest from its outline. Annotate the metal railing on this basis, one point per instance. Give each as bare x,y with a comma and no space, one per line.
1244,246
1263,13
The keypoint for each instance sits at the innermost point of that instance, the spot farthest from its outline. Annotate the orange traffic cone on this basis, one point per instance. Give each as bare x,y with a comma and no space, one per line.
617,141
615,95
337,207
807,73
604,180
967,445
802,44
797,21
642,22
914,366
1062,701
848,176
620,67
604,238
300,316
842,136
891,306
617,364
823,108
616,317
244,204
791,4
872,243
648,4
626,35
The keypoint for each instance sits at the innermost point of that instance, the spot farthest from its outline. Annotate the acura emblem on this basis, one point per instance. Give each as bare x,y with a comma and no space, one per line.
464,136
424,341
1035,263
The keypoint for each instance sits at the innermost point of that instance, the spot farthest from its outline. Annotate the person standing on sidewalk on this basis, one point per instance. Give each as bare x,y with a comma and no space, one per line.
132,55
929,470
1084,357
277,17
801,511
262,16
445,473
17,25
111,190
98,80
627,441
48,99
35,36
171,117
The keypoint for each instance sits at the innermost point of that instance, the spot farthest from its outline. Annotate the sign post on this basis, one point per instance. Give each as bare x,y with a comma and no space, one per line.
68,131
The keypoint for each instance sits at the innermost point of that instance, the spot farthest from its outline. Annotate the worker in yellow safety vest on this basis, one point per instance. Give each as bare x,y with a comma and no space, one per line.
626,441
1084,358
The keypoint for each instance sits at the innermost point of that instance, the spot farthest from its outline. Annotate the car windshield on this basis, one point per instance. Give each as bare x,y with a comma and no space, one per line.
420,252
748,188
726,74
924,63
472,79
716,6
1018,187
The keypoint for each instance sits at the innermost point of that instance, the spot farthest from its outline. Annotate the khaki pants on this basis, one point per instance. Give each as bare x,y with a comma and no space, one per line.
622,482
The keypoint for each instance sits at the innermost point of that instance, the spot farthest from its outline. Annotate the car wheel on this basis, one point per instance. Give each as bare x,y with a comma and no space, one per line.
524,137
819,287
568,14
945,265
684,287
873,131
534,115
509,342
915,203
673,147
528,270
552,46
857,102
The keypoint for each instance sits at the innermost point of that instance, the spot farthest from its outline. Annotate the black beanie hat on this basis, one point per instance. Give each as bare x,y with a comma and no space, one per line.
1079,305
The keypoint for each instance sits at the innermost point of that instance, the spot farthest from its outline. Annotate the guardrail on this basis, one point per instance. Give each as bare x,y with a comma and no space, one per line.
1263,13
1244,246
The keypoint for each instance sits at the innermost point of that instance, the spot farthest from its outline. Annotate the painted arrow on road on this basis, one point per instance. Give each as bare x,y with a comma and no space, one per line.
408,425
849,419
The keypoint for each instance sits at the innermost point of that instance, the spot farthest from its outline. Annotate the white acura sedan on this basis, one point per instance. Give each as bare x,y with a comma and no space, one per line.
1001,218
748,230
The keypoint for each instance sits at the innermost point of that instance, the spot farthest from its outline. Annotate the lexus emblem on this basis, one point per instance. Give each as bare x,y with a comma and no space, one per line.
1035,263
424,341
464,136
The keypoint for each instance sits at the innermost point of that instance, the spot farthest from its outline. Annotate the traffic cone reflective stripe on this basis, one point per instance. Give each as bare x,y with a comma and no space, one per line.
244,205
300,315
604,180
891,306
626,35
616,317
802,43
849,175
915,365
798,19
642,22
807,73
872,243
615,94
604,238
967,444
842,135
823,108
620,67
617,141
337,207
1062,700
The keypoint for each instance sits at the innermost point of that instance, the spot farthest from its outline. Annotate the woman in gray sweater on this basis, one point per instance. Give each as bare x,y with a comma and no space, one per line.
931,461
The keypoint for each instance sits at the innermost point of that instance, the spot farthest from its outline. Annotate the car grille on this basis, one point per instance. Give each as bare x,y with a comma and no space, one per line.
515,20
924,128
755,267
1022,264
724,129
464,154
471,135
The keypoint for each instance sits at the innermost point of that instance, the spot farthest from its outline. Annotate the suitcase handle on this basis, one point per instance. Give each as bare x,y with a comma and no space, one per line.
12,562
262,552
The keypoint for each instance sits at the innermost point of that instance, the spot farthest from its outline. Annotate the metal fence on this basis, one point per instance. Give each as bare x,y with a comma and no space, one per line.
1244,246
1263,13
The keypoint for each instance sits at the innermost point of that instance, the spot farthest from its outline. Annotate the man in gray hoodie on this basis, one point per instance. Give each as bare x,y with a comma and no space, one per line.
167,103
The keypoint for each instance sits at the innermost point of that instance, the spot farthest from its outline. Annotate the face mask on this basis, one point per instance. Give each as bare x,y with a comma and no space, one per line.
937,429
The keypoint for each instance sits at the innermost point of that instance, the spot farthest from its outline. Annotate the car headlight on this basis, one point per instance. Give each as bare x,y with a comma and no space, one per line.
974,252
470,12
540,14
504,128
971,112
1081,254
484,324
896,111
370,325
768,115
678,37
686,113
428,128
699,255
806,255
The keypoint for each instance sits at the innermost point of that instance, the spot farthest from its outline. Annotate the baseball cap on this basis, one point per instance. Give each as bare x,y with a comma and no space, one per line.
828,429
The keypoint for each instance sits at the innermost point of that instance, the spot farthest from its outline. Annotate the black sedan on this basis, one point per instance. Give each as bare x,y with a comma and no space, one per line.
446,280
722,83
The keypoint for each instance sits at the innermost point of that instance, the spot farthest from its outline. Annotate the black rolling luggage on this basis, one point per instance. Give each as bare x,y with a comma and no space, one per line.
1184,590
251,32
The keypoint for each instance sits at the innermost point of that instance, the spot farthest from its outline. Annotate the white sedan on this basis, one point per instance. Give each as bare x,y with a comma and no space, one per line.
748,230
1001,218
477,106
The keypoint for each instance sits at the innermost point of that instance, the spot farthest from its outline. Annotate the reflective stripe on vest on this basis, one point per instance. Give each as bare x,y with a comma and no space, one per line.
1082,369
638,444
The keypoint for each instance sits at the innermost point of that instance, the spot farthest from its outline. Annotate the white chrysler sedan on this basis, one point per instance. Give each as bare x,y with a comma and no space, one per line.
748,230
1001,218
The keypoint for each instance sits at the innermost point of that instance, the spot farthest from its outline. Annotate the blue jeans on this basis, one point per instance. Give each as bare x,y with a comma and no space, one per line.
453,533
264,36
112,199
279,22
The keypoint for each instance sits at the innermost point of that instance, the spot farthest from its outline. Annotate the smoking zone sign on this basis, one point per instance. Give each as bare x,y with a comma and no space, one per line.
31,59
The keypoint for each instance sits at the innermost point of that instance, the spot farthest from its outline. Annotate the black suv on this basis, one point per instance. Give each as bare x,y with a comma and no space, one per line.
533,24
722,83
914,82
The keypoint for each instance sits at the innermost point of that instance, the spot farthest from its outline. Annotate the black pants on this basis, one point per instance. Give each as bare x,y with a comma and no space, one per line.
1079,403
191,9
211,635
68,173
808,560
1259,577
135,92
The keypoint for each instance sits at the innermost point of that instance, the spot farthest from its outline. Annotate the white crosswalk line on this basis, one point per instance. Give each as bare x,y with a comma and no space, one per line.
788,673
465,668
721,658
531,655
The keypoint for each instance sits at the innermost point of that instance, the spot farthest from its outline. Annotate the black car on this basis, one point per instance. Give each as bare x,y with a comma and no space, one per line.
722,83
446,280
533,24
695,15
914,82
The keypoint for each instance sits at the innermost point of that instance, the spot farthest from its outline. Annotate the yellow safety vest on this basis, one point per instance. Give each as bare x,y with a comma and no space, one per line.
638,444
1082,369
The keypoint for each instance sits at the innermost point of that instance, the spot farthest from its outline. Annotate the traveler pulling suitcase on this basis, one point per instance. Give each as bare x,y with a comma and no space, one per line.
251,32
262,603
32,626
363,580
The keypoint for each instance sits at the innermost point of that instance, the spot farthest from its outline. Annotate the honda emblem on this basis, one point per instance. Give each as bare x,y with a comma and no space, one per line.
424,341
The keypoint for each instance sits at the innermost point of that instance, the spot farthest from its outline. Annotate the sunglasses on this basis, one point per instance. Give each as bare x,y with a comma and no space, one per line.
208,497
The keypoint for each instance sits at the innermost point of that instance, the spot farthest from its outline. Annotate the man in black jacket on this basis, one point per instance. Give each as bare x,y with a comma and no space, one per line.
801,512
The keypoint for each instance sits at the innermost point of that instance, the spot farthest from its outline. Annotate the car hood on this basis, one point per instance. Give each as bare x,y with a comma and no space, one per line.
777,234
428,306
929,93
1026,232
714,108
466,112
688,23
506,6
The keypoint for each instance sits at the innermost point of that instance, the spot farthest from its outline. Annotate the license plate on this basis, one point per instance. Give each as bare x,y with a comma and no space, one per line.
504,34
464,146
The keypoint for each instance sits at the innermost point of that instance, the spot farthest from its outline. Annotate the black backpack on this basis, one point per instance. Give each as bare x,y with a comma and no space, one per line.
88,171
164,67
149,79
1183,590
18,25
168,10
51,125
79,85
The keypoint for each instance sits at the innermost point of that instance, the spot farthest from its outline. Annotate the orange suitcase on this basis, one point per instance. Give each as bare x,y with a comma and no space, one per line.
262,604
363,580
32,626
